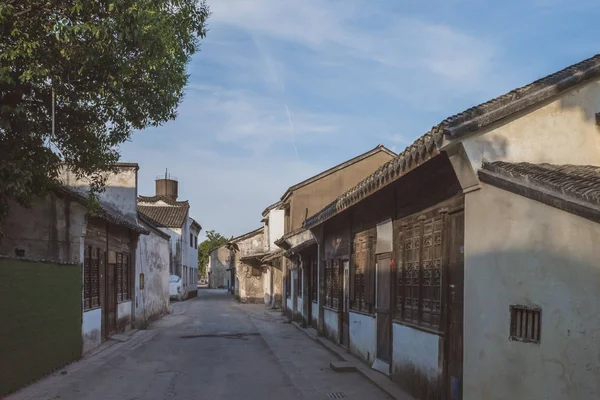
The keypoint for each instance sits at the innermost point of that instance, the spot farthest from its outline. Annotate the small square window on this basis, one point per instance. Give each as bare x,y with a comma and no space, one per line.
525,324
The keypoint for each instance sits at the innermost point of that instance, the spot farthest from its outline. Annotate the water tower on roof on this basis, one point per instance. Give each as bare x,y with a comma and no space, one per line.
167,186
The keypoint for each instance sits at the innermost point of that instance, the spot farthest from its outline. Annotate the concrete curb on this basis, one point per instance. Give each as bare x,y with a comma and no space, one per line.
376,378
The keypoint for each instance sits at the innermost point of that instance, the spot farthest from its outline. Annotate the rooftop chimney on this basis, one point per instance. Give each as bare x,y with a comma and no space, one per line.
167,186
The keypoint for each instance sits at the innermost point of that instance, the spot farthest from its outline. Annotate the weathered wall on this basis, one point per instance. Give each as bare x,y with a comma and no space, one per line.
267,289
152,260
331,325
276,227
219,262
276,300
363,336
52,229
560,131
124,316
249,275
41,320
315,314
175,262
317,195
120,190
534,255
91,329
415,359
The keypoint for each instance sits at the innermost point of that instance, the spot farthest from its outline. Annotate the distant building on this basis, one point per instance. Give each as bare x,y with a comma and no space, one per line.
171,216
219,267
248,269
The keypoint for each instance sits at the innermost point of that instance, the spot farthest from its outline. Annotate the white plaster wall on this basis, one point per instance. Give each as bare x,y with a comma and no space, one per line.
124,315
289,303
152,259
331,325
414,349
176,237
267,285
534,255
300,304
315,311
363,336
219,262
562,131
91,329
276,227
120,190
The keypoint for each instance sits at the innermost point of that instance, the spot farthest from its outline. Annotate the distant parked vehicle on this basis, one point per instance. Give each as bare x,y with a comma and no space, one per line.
175,287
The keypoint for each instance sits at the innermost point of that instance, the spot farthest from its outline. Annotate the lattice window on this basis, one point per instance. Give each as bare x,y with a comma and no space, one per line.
419,270
126,278
119,274
87,275
335,284
95,277
315,279
359,261
328,283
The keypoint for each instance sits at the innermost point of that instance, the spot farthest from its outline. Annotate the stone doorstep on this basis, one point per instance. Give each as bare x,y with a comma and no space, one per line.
342,366
375,377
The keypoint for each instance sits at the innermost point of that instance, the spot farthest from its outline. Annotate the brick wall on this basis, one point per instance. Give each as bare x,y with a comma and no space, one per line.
40,305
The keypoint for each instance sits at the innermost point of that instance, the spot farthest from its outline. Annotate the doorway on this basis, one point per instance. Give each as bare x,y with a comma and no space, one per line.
110,311
345,337
383,309
454,344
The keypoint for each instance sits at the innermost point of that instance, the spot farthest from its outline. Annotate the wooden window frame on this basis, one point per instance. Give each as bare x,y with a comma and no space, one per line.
424,312
123,277
91,277
362,263
314,279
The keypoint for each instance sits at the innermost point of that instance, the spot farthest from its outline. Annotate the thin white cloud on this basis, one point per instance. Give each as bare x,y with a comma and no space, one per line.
334,28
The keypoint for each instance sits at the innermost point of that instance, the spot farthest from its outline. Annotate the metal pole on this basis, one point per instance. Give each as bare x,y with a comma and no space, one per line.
53,101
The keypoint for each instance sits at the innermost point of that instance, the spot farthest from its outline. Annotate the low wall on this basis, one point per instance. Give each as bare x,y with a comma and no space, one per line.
92,329
124,316
415,359
363,336
41,309
331,325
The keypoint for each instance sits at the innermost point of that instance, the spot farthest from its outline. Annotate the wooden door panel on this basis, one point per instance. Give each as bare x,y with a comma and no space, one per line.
111,300
455,304
383,308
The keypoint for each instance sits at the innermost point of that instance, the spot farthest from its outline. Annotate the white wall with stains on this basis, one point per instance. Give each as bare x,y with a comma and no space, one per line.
152,260
534,255
91,329
363,336
331,325
416,356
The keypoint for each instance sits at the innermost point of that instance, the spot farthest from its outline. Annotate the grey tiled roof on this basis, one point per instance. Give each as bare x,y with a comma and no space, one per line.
171,215
105,211
573,188
458,125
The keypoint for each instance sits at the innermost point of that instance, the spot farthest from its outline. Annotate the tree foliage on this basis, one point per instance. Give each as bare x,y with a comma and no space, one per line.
109,67
213,241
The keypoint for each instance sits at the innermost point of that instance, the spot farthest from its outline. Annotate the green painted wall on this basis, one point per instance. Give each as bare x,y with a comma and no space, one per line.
40,320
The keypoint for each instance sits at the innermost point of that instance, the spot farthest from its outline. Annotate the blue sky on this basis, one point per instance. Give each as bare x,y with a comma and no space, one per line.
283,89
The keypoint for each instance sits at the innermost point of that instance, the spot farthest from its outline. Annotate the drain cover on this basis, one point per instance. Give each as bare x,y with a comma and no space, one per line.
297,352
336,395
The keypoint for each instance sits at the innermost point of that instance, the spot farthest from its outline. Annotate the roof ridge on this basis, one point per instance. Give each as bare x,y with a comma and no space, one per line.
332,169
427,145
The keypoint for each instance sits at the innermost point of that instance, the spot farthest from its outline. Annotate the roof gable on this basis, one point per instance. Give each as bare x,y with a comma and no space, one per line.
379,148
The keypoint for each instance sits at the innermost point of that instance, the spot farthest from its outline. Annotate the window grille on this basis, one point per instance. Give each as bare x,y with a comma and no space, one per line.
525,324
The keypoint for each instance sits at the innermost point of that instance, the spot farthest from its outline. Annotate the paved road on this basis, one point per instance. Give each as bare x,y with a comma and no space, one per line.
209,348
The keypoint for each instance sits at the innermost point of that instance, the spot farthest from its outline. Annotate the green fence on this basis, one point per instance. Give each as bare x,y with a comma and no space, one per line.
40,320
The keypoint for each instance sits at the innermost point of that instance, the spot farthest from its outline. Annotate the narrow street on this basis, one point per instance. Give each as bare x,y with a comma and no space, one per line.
209,347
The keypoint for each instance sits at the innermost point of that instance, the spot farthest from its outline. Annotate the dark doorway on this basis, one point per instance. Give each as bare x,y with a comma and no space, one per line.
383,308
345,339
110,310
454,344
